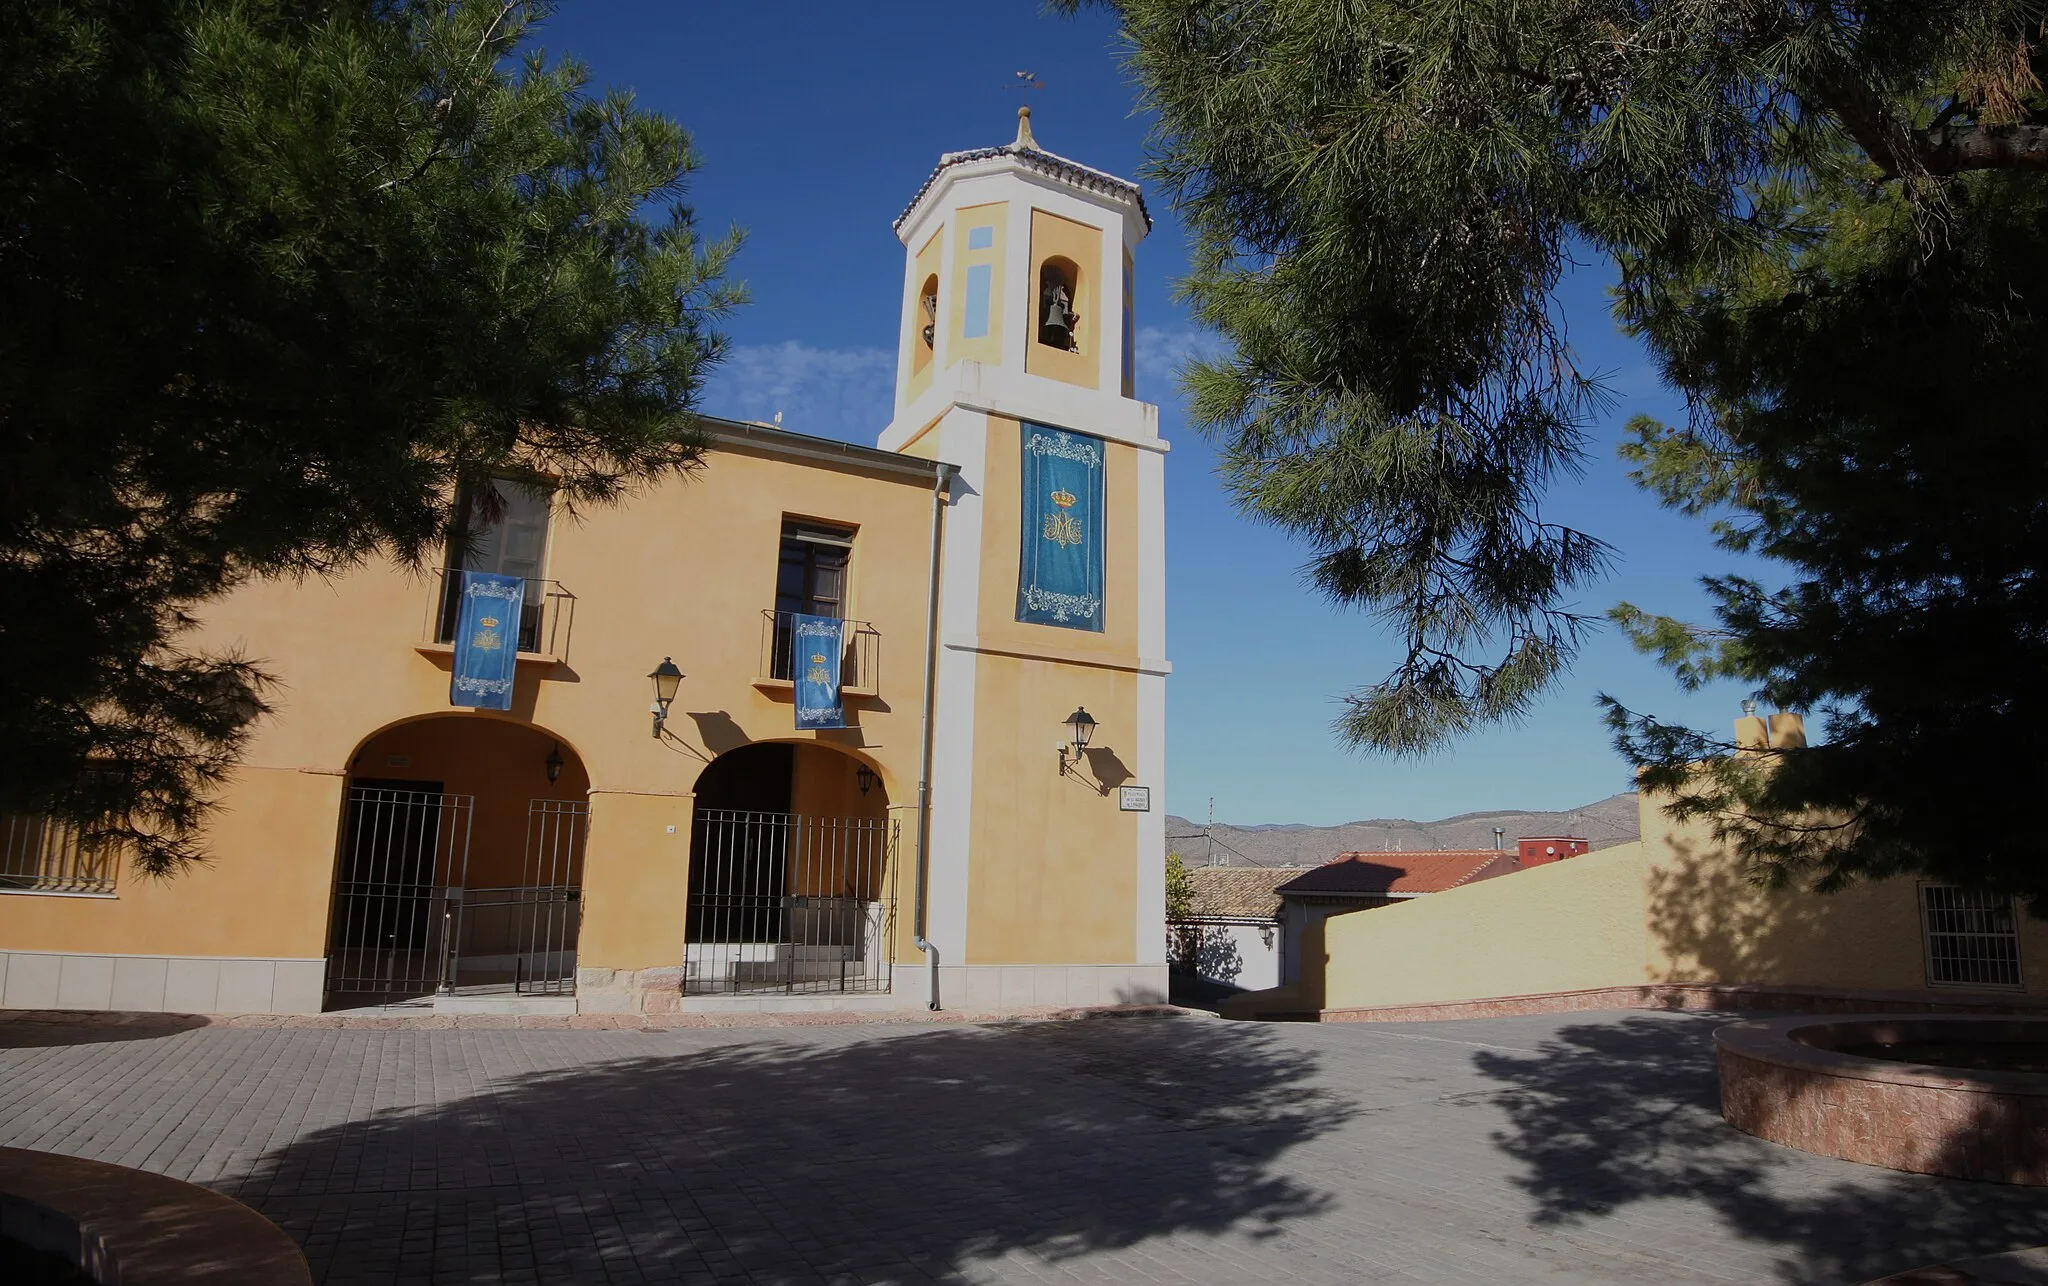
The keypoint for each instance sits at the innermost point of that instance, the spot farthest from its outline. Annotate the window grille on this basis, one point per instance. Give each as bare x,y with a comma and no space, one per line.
1971,938
44,855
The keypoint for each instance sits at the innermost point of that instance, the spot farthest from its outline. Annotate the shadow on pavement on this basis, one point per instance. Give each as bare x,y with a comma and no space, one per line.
42,1028
902,1157
1627,1112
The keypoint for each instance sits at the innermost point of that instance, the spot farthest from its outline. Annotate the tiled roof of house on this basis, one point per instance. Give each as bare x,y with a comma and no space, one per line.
1239,892
1389,874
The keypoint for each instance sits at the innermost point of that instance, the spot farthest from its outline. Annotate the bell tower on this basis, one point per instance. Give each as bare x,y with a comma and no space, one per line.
1046,881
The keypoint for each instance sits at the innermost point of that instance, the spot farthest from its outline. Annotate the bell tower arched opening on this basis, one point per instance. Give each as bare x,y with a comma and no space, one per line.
927,324
1059,315
792,873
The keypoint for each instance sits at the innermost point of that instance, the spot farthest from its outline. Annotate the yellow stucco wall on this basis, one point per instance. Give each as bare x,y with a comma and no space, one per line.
1053,881
684,569
984,348
1081,246
1065,888
1709,923
260,895
1560,927
1676,907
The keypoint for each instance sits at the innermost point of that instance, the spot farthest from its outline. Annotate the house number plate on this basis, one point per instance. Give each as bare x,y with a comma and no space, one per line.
1134,799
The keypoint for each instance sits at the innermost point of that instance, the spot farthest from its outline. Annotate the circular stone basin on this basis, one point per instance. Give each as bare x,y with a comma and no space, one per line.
1933,1094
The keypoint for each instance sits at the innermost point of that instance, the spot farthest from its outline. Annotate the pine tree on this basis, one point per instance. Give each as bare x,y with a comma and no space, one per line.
277,279
1828,229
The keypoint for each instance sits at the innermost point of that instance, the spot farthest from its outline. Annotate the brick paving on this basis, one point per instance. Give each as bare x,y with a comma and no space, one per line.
1559,1148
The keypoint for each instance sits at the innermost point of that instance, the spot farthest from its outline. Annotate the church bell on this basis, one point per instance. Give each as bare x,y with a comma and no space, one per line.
1058,327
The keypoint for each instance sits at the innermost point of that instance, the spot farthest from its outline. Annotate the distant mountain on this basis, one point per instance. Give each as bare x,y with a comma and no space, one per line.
1606,823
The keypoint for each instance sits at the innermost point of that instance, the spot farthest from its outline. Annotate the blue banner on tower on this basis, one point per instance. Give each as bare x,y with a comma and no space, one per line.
816,645
1059,580
486,640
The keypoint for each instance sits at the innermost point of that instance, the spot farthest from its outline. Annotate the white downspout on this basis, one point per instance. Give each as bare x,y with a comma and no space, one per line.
924,757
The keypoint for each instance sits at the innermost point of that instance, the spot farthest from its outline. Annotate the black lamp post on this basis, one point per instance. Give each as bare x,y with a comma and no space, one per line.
667,678
1080,727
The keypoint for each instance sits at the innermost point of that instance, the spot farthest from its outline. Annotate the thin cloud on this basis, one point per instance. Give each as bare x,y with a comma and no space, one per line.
1162,352
844,393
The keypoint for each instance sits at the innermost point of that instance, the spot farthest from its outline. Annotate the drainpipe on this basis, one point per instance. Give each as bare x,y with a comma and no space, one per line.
924,755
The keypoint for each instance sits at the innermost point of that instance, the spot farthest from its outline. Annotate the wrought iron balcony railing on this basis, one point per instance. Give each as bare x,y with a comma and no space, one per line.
545,614
859,664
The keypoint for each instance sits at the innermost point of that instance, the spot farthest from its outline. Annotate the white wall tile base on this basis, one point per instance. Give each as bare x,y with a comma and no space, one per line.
160,984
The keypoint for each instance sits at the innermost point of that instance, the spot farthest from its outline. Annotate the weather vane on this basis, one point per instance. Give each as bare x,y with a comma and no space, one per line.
1028,81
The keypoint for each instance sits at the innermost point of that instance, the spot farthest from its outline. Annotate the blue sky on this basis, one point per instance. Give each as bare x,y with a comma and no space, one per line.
816,123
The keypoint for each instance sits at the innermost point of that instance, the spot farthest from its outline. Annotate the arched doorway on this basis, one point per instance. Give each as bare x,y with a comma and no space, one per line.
460,866
792,873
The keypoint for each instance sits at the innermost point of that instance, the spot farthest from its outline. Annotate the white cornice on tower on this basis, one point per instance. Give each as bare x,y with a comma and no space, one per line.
1025,153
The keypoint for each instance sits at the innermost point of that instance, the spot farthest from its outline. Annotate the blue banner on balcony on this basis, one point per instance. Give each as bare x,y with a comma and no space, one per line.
816,646
1059,579
486,640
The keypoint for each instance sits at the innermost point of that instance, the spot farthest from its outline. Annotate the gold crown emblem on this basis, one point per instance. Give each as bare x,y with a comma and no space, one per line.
817,660
1063,498
490,622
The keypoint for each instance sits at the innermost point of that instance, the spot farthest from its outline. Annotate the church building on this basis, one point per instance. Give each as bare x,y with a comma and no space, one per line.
821,727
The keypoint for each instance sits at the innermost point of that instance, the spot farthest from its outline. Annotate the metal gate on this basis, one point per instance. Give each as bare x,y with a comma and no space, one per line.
784,902
523,937
403,852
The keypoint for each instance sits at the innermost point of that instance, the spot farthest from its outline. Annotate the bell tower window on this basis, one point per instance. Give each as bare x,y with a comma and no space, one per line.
926,323
1059,282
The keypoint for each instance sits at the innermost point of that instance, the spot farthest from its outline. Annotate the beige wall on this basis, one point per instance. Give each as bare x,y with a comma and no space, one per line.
1676,907
1559,927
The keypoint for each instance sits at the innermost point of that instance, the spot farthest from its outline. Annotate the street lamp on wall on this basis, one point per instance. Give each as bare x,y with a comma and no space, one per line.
554,764
1080,728
865,778
667,678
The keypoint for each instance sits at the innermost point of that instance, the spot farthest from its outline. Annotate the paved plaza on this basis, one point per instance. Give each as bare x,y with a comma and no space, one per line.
1563,1148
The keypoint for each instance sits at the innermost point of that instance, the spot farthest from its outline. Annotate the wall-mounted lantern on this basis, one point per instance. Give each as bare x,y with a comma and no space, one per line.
554,764
667,678
865,778
1080,728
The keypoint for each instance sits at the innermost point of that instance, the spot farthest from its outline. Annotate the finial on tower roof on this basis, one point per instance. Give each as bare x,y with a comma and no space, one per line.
1024,139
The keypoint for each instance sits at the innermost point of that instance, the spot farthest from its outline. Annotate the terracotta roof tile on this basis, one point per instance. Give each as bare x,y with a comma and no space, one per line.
1240,892
1367,874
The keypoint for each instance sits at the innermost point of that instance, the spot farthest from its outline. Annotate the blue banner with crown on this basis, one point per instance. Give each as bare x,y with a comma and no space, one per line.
1059,578
486,641
816,646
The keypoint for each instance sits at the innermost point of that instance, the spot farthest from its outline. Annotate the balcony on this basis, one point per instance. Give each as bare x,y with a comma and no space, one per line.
546,614
859,666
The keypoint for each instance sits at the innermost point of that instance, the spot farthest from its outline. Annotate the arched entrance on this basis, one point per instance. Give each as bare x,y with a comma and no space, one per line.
460,868
792,874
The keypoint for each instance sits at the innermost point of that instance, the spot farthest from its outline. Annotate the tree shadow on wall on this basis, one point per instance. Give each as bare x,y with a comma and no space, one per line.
876,1157
1624,1112
1711,923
